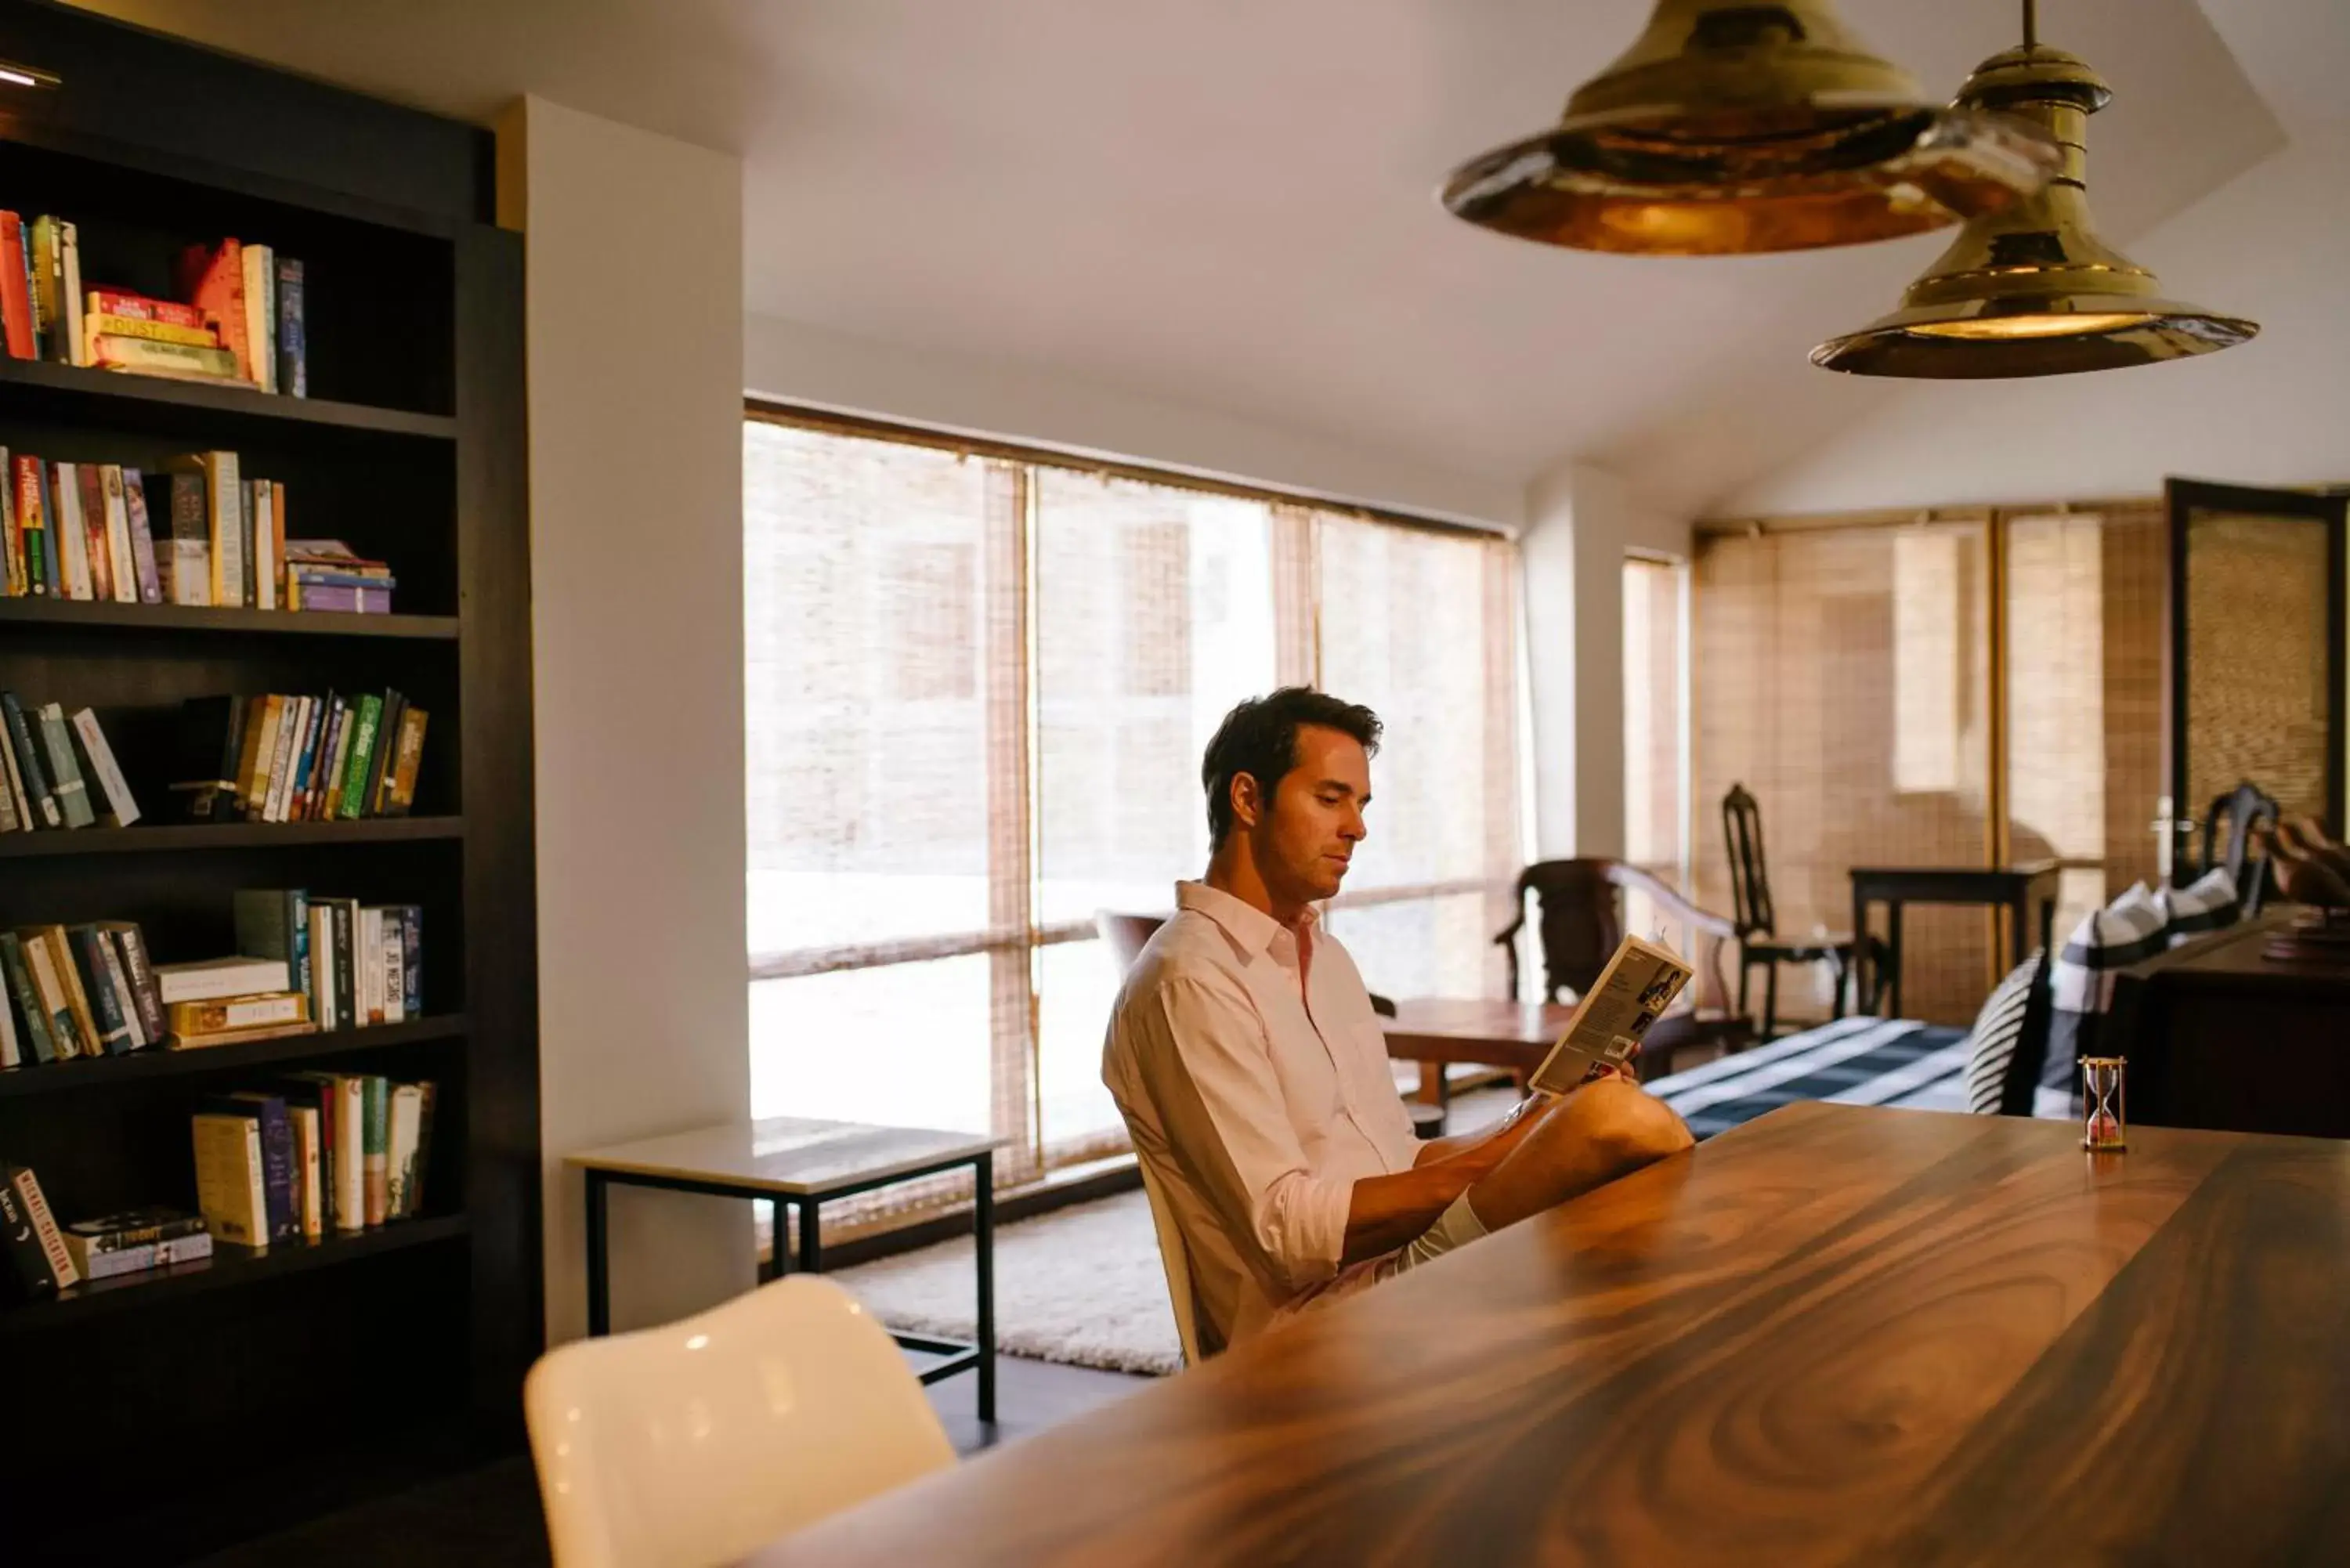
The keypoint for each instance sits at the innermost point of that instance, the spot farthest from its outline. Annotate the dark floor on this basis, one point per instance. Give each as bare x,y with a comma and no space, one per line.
490,1516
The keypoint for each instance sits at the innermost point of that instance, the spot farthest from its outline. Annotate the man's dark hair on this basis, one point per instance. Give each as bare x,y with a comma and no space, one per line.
1259,738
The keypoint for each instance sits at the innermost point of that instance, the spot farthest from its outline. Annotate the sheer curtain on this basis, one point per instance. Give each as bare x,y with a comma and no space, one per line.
978,687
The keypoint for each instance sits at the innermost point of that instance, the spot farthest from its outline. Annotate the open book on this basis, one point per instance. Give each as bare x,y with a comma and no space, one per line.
1639,982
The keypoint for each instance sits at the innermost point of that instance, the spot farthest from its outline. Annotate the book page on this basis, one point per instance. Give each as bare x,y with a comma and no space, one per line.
1639,982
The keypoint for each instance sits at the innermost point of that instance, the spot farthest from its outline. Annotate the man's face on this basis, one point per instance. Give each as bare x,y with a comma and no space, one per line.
1304,843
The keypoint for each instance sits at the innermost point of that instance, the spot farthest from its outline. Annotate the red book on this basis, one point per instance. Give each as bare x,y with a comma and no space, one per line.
212,277
139,307
93,526
16,288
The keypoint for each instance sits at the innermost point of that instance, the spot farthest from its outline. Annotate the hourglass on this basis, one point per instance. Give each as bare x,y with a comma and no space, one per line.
2101,1098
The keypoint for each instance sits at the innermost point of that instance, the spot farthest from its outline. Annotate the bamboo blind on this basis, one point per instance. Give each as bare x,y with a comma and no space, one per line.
2257,660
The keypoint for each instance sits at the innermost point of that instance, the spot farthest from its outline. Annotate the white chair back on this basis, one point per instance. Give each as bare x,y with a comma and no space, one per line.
693,1444
1173,1259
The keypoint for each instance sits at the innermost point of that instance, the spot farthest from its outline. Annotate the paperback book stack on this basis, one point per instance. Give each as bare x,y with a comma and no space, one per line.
329,574
309,1154
78,991
135,1241
76,530
240,321
355,964
280,758
57,772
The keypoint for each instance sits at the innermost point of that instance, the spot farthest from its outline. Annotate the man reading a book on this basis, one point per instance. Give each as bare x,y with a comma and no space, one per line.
1251,1072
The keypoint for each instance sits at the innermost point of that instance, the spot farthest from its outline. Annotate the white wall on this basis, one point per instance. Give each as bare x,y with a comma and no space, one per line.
635,322
795,363
2273,245
1581,521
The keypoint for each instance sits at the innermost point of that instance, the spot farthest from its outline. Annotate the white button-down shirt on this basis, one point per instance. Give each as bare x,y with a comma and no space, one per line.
1253,1078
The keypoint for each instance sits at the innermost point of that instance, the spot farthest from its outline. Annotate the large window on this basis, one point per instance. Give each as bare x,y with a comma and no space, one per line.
979,687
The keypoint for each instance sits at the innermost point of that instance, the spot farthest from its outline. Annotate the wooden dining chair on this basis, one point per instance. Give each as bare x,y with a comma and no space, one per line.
1756,920
2244,813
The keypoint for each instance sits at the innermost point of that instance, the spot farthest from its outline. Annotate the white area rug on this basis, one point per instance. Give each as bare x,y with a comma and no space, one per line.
1081,1284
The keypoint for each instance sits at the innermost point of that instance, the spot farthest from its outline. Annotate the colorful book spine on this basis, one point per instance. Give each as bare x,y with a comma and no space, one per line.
363,732
49,285
65,774
12,533
90,485
56,1002
231,1184
141,967
293,356
123,560
142,537
98,985
52,557
38,792
69,286
375,1132
64,500
212,277
40,1045
412,947
353,601
16,300
28,1233
190,540
25,473
118,980
350,1139
140,307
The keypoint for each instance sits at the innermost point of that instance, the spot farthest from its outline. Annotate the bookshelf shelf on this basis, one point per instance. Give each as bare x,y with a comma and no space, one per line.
188,618
226,1268
138,838
148,1065
227,412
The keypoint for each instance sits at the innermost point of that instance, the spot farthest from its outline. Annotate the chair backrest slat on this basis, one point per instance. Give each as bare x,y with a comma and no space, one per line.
1749,875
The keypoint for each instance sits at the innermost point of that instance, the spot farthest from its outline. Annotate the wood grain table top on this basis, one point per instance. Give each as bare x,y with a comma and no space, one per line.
1837,1334
792,1155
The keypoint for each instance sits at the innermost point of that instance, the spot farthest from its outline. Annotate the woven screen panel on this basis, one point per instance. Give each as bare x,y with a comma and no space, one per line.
1843,676
2135,550
1421,626
2256,659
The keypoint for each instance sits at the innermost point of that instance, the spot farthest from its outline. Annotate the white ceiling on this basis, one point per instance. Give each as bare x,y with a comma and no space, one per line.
1229,203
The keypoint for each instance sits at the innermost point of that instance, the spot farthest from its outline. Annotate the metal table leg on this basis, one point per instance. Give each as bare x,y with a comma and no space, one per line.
773,1269
983,1253
600,1285
811,1260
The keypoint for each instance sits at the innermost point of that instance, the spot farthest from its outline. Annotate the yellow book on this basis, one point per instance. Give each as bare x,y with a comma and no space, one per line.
229,1188
96,326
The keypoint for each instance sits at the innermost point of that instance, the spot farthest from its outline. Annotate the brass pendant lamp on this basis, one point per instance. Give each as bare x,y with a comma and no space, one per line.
1737,128
2031,291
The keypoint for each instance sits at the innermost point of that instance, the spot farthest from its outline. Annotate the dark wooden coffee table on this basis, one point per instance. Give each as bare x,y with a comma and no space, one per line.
1836,1335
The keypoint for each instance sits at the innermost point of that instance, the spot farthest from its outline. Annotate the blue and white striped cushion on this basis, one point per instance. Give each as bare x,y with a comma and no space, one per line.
1851,1062
1991,1046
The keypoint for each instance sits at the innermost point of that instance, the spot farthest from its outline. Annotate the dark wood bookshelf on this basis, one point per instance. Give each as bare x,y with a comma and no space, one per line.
140,838
411,448
140,1066
225,411
227,1268
205,619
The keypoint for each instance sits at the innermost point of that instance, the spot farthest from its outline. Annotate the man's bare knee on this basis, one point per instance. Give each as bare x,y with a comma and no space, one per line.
1633,1127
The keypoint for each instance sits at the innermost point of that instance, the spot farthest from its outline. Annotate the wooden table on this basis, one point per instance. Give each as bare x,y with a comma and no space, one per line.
1438,1032
2219,1034
805,1163
1435,1032
2017,888
1836,1335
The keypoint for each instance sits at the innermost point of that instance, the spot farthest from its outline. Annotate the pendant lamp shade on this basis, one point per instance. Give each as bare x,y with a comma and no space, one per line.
2032,290
1737,128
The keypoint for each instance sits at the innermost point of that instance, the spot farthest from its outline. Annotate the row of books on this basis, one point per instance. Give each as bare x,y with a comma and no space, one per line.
242,321
281,758
58,773
38,1257
303,1156
85,531
309,1154
92,990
